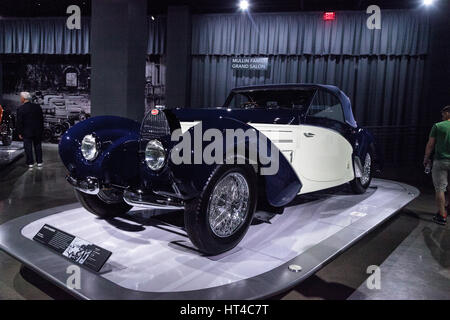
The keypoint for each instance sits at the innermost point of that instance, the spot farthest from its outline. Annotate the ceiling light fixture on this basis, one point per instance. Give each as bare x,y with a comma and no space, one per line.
244,5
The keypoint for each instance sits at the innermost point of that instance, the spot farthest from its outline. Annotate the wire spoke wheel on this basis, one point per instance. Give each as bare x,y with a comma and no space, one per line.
365,178
218,219
228,205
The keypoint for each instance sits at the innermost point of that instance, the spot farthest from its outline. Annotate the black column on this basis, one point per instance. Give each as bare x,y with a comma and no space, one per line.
178,57
119,38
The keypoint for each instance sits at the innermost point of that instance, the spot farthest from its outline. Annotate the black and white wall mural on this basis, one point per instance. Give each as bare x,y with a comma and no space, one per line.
60,84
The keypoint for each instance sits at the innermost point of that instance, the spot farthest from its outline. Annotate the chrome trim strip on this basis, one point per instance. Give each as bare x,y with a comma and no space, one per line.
153,201
88,186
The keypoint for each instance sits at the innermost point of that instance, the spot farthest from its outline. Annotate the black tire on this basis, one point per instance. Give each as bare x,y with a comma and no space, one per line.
7,140
358,187
47,135
196,217
58,130
66,125
95,205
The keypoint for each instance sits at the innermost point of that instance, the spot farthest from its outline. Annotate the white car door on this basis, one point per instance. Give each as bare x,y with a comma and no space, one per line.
324,156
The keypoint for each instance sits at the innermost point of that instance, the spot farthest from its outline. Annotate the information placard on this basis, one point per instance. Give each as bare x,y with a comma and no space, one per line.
78,250
249,63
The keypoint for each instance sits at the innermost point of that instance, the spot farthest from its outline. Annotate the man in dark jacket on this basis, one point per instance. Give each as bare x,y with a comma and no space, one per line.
30,126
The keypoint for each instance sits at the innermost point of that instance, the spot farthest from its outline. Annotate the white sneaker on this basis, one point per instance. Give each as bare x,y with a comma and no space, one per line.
30,166
40,165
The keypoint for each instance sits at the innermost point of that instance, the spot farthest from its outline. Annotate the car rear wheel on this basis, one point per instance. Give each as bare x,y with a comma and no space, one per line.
360,185
218,219
97,204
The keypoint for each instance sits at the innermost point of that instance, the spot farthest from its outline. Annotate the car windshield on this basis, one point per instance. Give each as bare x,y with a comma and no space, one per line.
270,99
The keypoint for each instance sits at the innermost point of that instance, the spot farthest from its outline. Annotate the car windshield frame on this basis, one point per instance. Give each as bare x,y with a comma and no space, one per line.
248,93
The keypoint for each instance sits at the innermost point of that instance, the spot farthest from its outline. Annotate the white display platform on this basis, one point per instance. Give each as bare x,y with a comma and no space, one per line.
153,258
10,153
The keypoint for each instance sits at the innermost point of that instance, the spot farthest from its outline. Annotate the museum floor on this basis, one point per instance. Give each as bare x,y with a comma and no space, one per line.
412,252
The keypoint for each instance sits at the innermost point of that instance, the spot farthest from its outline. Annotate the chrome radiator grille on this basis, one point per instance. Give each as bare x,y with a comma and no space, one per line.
155,125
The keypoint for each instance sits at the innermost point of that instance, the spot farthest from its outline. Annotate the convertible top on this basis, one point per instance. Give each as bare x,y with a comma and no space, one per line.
345,101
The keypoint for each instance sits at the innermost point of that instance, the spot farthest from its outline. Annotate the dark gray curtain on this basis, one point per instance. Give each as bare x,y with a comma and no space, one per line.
384,90
43,36
51,36
380,70
402,33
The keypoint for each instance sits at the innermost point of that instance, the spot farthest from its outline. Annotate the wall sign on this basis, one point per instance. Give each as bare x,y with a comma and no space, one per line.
249,63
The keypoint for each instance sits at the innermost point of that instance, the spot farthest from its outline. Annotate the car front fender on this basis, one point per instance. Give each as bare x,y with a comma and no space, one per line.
281,187
118,142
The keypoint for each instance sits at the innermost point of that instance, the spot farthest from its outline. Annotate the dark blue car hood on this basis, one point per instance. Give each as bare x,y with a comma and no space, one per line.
278,116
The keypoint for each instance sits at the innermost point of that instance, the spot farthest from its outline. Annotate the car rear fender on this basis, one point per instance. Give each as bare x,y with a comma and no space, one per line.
365,142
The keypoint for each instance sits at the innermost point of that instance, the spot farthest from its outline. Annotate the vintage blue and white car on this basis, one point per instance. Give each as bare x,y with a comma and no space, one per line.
115,163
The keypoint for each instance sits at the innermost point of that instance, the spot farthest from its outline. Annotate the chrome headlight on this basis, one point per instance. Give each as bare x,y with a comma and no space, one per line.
89,147
155,155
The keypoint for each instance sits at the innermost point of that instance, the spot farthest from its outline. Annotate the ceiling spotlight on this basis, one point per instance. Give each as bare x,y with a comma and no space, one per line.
244,5
428,2
153,18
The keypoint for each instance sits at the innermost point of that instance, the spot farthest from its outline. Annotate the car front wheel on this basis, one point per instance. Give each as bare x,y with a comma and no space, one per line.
360,185
104,205
218,219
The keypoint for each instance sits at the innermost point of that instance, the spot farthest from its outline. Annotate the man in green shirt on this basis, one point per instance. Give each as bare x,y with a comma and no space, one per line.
439,141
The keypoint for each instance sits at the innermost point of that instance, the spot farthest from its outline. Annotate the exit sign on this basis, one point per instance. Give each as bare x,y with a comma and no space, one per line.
327,16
